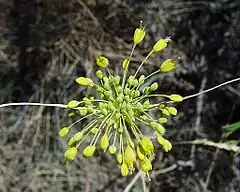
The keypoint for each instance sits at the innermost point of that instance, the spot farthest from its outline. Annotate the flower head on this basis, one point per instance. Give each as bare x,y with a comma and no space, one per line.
114,119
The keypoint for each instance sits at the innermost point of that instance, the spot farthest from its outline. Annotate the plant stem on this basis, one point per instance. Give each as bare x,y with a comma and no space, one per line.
211,89
149,54
33,104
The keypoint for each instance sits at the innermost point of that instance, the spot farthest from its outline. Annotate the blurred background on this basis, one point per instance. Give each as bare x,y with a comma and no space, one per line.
46,44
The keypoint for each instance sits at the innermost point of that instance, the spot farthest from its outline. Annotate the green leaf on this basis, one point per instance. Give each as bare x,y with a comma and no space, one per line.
230,129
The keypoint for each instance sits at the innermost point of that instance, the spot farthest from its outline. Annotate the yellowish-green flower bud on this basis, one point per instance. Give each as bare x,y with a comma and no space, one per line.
104,111
99,74
138,35
160,140
140,153
104,142
124,169
120,98
146,165
136,93
167,146
78,136
165,112
141,79
139,107
126,98
102,61
64,131
70,153
129,155
90,109
135,83
112,149
146,104
83,111
117,79
94,130
72,104
84,81
130,80
119,89
168,65
172,110
158,127
154,86
176,98
162,120
107,86
161,106
147,145
146,89
119,158
160,44
106,80
125,63
89,151
120,129
72,142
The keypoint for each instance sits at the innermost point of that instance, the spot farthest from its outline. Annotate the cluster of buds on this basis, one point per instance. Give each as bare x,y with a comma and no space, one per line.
117,116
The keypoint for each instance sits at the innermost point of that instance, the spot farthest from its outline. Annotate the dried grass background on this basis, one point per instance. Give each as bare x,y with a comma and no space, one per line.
46,44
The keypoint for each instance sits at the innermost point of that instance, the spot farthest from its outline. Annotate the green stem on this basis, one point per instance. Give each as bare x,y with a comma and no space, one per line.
154,73
149,54
89,115
126,70
99,130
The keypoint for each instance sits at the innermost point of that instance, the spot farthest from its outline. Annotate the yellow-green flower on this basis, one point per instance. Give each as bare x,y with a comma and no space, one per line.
146,165
160,44
125,63
129,155
112,119
140,153
168,65
89,151
119,158
139,34
70,153
102,61
84,81
172,110
167,145
64,131
162,120
147,145
176,98
78,136
99,74
104,142
124,169
112,149
160,140
72,104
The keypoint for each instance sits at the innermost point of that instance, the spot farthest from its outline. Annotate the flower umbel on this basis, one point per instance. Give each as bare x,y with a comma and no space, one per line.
122,106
